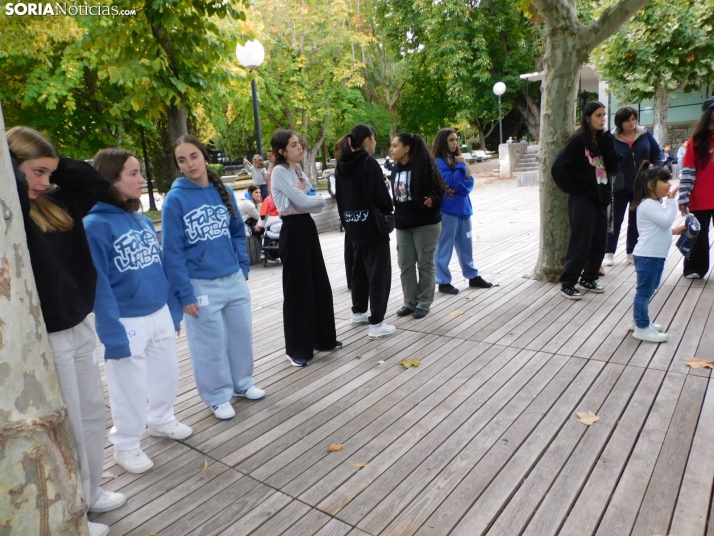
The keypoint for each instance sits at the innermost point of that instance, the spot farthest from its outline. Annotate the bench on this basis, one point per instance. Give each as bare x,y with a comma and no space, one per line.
481,155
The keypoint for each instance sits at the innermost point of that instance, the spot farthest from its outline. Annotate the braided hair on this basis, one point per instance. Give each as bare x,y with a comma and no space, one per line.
212,175
425,177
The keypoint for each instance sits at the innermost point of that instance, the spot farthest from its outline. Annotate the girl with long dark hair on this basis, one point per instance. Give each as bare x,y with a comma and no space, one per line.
456,212
308,311
207,265
136,316
418,191
654,222
55,194
696,189
636,144
360,191
581,170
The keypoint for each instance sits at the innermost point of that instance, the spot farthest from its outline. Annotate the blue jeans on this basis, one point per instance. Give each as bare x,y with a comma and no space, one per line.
649,273
263,191
455,232
220,338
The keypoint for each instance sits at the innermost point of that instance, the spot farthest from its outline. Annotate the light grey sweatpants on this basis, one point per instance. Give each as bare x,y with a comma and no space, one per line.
82,393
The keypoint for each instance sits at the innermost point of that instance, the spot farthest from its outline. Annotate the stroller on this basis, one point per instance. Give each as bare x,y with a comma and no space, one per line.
271,240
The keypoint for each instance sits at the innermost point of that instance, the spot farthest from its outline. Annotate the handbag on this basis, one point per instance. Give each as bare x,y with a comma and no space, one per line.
385,222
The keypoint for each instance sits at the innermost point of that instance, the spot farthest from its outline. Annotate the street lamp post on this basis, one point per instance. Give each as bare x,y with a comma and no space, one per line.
499,88
250,56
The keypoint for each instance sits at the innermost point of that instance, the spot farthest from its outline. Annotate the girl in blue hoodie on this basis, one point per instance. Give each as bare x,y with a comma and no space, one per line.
207,266
456,212
135,313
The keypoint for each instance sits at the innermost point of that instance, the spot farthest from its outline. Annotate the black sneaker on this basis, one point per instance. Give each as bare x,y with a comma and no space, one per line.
571,293
591,286
404,311
420,313
297,361
479,282
448,289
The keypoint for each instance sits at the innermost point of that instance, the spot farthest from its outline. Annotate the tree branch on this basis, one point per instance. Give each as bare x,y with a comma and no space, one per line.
610,21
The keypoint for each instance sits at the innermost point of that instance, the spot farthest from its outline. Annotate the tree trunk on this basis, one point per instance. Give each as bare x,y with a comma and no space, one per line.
561,66
531,113
40,487
177,121
661,106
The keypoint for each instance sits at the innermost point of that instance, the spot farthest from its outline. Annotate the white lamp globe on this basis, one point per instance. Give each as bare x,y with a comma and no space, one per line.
250,55
499,88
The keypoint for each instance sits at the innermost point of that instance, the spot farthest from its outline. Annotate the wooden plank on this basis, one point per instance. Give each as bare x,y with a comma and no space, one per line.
485,510
258,515
283,521
334,527
592,498
696,319
690,513
658,505
411,503
566,464
621,512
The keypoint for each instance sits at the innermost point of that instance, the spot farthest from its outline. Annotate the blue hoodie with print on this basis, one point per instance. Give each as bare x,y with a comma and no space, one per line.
458,179
201,240
131,281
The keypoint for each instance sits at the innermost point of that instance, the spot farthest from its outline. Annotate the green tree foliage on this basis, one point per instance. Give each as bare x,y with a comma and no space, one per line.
461,49
664,47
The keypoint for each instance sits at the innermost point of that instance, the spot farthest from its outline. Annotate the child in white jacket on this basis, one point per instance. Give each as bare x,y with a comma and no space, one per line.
654,223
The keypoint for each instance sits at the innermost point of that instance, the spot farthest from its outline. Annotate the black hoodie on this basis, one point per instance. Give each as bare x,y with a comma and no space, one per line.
356,173
411,213
61,261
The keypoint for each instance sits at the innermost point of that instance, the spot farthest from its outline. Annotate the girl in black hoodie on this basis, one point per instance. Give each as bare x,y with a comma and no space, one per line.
360,189
55,194
582,170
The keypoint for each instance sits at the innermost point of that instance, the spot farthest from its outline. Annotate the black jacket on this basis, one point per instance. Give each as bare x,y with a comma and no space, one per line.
409,212
357,173
61,261
574,174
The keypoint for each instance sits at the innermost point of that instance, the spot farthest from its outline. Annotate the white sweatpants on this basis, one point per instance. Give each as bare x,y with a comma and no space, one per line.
151,372
82,393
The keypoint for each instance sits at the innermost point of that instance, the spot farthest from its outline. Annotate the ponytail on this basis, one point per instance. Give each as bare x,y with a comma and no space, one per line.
213,177
354,141
645,177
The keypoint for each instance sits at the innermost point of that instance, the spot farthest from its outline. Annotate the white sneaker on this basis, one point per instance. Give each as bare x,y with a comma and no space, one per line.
650,334
609,259
630,259
224,412
133,461
253,393
633,325
172,430
108,501
360,318
692,276
382,329
98,529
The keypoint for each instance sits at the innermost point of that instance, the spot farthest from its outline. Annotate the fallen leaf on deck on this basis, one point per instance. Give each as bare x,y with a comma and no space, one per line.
335,447
695,362
456,313
587,418
359,356
205,465
107,474
408,363
469,298
358,465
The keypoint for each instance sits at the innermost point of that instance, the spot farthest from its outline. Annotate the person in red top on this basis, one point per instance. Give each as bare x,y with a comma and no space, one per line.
696,189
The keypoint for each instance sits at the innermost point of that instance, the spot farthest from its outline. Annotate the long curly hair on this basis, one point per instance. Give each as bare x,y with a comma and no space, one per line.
425,176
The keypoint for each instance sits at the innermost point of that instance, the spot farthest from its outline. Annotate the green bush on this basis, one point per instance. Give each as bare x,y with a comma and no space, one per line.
218,168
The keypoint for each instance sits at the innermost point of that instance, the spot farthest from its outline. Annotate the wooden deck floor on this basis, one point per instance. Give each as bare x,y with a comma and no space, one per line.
481,438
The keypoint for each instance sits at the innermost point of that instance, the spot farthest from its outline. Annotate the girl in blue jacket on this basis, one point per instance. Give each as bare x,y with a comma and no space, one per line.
207,267
456,212
135,313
